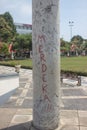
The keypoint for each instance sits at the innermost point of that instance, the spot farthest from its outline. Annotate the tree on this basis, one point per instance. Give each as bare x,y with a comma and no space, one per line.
7,16
23,45
84,46
24,41
4,49
64,46
78,40
7,27
5,30
28,43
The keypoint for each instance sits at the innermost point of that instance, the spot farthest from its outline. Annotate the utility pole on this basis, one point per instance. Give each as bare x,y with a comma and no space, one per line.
46,64
71,25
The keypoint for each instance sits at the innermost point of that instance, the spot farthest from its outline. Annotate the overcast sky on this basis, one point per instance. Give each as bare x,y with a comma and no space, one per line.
70,10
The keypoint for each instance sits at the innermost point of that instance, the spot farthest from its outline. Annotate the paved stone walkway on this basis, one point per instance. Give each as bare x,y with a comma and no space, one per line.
16,113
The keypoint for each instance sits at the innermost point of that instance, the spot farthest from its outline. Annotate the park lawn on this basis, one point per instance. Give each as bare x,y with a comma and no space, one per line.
24,63
74,64
68,64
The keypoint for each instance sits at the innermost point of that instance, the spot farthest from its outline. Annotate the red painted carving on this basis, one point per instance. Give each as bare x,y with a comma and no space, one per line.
41,38
44,78
44,67
40,49
44,88
46,98
42,58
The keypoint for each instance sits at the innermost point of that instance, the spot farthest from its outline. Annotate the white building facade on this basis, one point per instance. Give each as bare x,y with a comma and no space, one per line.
23,28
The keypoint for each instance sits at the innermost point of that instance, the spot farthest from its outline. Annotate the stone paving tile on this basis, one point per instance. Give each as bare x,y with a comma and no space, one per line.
75,104
69,104
24,111
69,113
83,128
69,117
28,103
17,92
82,105
83,121
70,127
4,125
18,119
9,104
23,80
82,113
30,93
74,92
22,85
6,114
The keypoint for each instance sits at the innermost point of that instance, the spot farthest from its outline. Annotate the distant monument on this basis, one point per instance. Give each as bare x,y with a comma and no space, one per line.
46,64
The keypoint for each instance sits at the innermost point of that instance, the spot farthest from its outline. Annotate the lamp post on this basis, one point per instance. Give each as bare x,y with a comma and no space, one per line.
71,25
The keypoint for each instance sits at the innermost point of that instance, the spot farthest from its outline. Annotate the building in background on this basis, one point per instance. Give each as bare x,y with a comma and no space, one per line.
23,28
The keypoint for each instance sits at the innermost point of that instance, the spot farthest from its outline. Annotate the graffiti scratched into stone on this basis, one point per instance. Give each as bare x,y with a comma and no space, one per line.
46,64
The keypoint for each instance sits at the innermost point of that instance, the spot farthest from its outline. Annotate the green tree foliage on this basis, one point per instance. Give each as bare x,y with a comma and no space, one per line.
85,44
7,27
64,46
7,16
5,30
77,46
23,41
23,45
78,40
4,49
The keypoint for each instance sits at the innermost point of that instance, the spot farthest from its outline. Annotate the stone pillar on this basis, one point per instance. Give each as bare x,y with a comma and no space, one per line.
46,64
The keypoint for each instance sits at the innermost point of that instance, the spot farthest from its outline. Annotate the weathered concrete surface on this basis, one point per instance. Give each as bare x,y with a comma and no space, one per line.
8,83
46,64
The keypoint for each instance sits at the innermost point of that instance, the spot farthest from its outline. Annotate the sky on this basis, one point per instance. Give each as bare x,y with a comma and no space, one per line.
70,10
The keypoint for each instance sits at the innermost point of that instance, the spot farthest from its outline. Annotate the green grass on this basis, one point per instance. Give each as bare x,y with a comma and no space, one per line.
76,65
24,63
